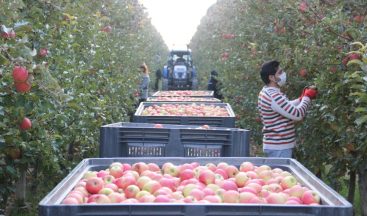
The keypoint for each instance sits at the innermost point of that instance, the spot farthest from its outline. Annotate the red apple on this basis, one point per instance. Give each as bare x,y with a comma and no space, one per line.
296,191
151,186
116,164
77,195
83,190
303,7
20,74
102,173
22,87
228,185
303,72
142,181
106,191
162,199
124,181
8,34
153,167
197,194
246,166
116,197
241,179
94,185
333,69
207,177
108,179
231,171
43,52
309,197
116,171
99,198
228,36
275,187
213,199
288,182
141,194
186,174
131,191
70,201
169,183
112,186
139,167
246,197
276,198
26,124
231,196
107,29
90,174
188,188
257,187
358,19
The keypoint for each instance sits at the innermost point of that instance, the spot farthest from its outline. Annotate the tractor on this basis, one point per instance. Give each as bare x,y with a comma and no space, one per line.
179,73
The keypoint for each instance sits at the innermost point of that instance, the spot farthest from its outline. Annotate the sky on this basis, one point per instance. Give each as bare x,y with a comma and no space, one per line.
177,20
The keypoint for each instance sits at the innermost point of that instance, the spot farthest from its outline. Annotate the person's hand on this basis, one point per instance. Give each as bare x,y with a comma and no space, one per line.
311,93
302,94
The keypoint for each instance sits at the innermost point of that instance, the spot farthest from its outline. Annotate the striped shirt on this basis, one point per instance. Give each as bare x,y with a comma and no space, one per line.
278,115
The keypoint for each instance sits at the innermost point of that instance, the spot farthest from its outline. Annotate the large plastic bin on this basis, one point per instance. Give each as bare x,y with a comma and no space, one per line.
332,203
184,99
184,93
144,140
228,121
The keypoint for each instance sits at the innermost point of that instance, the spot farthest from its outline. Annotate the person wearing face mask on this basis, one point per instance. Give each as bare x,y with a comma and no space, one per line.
278,113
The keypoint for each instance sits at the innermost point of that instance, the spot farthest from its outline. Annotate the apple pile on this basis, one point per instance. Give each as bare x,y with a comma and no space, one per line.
190,183
185,110
181,98
182,93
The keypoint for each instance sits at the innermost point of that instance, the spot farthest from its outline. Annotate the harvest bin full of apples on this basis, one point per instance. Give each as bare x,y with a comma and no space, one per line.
186,113
126,139
183,99
192,187
185,93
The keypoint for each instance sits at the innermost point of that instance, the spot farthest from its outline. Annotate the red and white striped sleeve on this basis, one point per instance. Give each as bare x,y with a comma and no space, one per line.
289,109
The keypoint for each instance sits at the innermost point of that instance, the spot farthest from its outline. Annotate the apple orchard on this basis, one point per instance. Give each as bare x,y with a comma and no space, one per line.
69,67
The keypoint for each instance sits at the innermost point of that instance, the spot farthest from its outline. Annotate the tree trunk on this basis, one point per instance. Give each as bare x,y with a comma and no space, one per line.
362,180
352,186
20,189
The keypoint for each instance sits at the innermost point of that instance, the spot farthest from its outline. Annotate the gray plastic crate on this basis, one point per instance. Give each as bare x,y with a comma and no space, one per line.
187,99
332,203
143,140
171,93
228,121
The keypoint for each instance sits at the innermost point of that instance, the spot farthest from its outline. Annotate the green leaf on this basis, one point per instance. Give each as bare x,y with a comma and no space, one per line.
355,61
3,60
361,120
361,109
11,170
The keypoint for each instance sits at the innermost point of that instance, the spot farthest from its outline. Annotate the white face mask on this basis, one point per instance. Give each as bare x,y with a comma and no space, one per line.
282,79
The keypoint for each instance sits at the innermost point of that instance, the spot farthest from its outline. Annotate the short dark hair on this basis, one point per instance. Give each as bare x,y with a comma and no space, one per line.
214,73
269,68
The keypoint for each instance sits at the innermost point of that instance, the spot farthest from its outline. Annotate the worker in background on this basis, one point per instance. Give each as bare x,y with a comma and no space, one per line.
213,84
